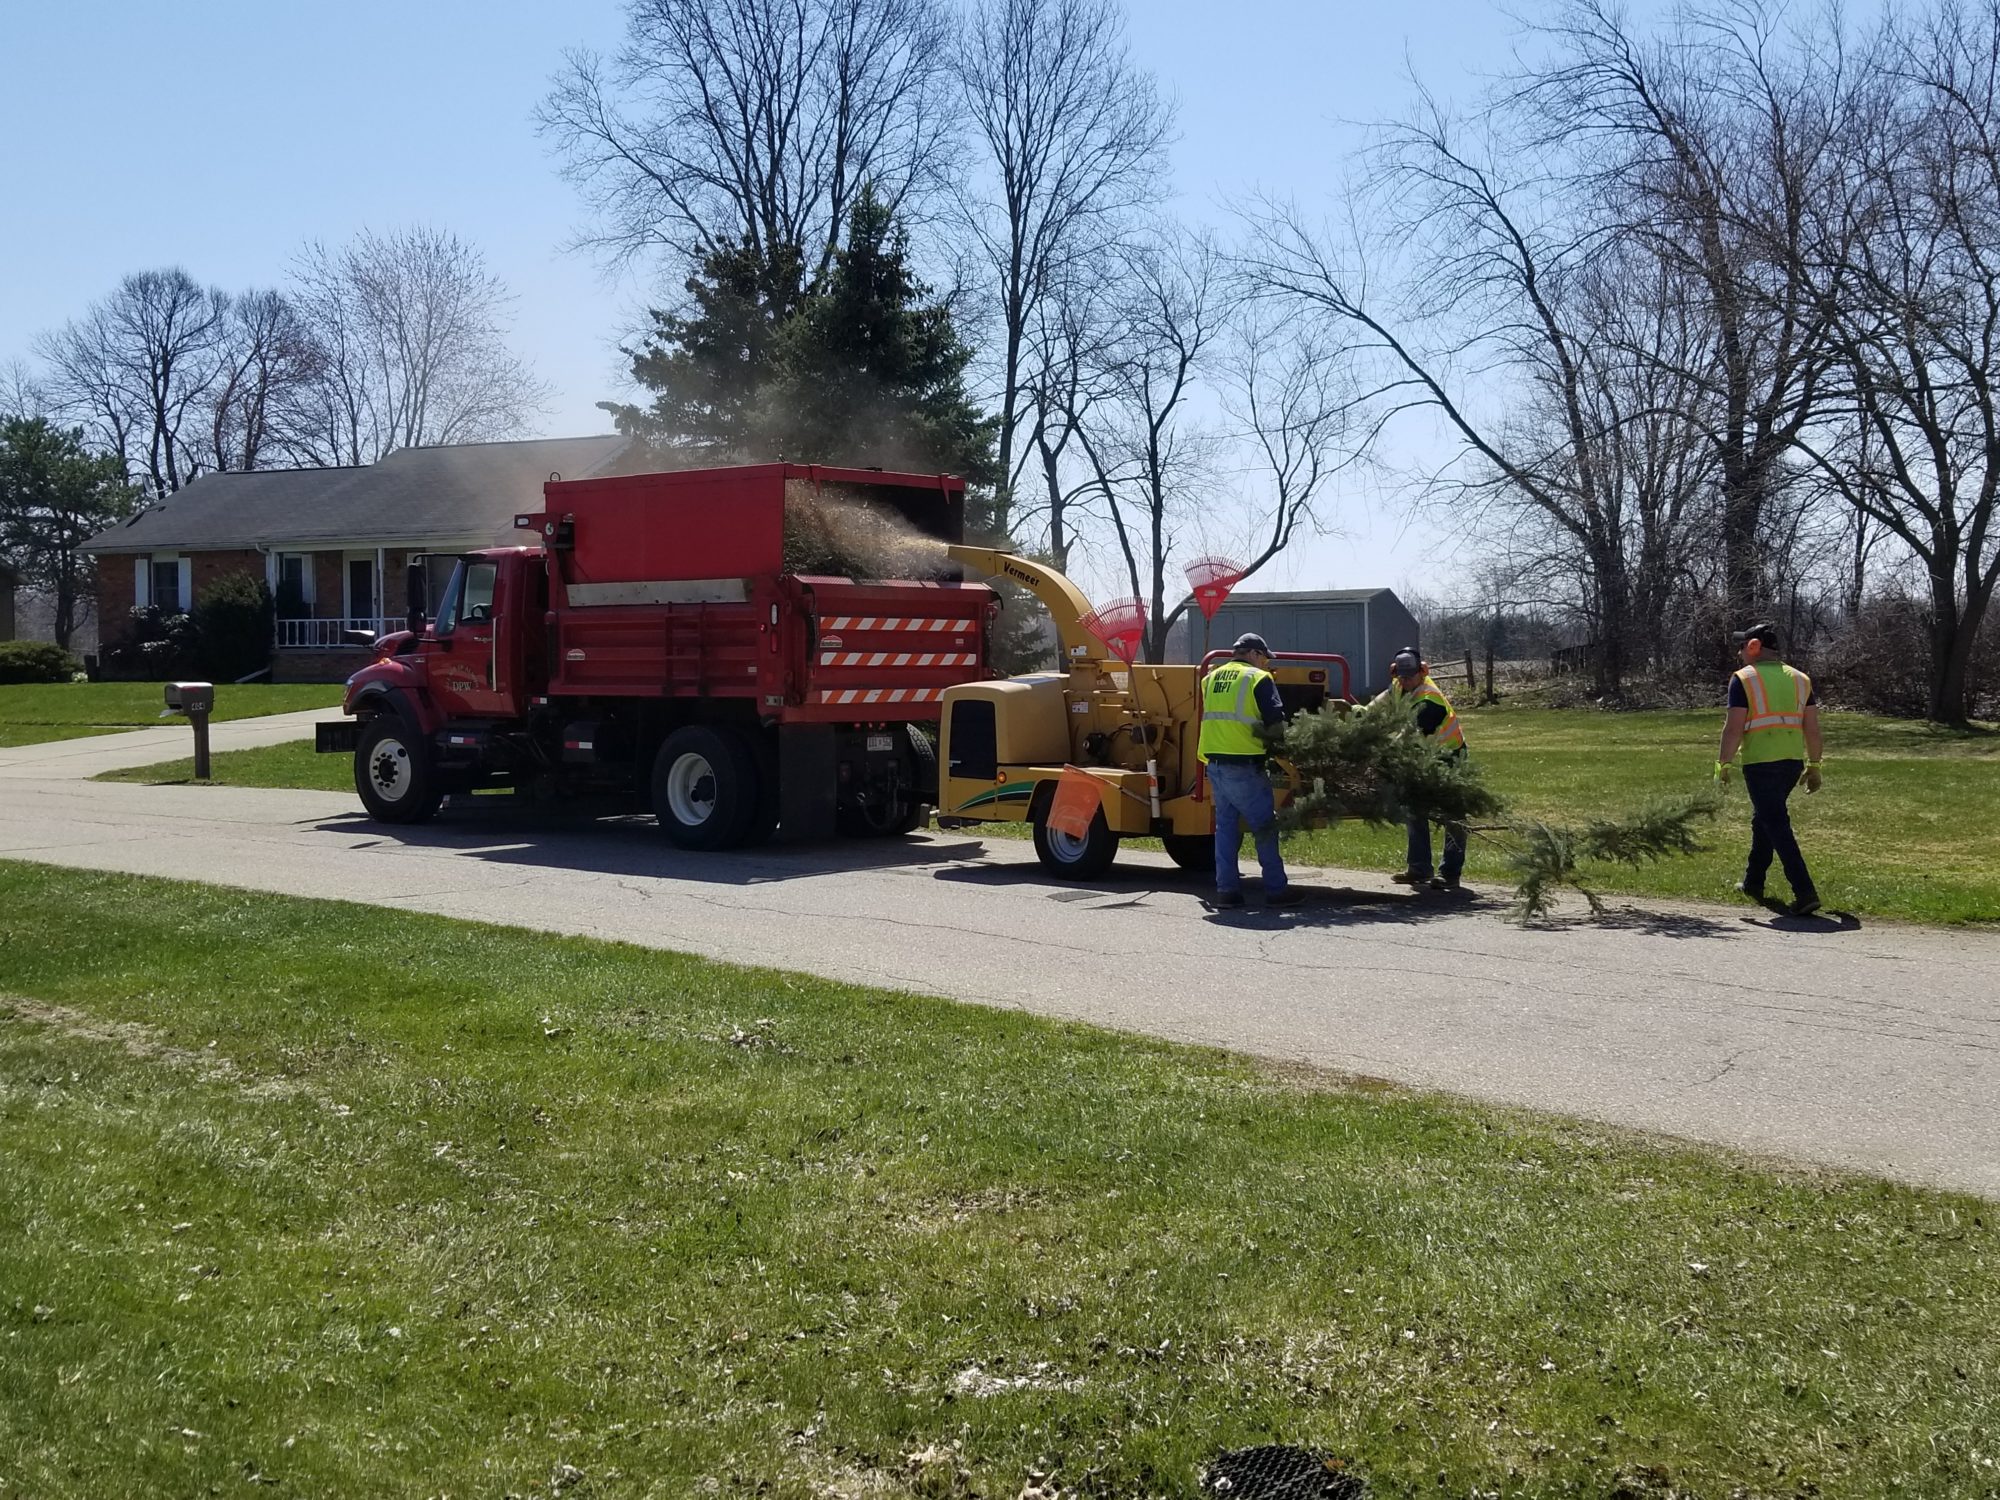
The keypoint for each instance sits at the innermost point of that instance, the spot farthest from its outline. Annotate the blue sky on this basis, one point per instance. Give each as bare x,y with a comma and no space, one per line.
221,135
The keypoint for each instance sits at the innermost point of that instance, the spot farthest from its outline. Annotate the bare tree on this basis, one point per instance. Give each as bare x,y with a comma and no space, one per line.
407,347
1490,268
1716,144
264,356
1918,324
1073,136
21,391
1291,389
1147,451
730,122
137,369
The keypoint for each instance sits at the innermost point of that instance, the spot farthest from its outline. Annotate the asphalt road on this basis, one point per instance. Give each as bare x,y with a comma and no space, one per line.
1875,1048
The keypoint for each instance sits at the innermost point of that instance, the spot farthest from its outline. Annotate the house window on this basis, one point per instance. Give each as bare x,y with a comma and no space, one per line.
294,587
166,586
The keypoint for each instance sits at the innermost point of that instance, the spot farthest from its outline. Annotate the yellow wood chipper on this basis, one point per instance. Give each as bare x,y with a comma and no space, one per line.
1132,728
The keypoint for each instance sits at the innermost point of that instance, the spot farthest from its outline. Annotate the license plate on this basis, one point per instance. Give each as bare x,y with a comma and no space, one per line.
881,742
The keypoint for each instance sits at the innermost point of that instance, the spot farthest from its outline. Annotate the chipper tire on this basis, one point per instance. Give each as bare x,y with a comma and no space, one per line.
1193,852
706,788
1073,858
394,772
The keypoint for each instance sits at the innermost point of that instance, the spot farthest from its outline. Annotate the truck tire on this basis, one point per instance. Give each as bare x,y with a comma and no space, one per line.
394,773
1193,852
705,787
1073,858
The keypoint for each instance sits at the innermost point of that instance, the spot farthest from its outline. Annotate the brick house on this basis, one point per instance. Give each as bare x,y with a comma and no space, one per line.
332,544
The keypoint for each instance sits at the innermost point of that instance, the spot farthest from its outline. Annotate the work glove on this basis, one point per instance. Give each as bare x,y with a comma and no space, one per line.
1722,773
1813,780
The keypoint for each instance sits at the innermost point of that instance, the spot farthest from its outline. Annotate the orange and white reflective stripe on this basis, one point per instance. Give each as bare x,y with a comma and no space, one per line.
897,659
892,622
881,695
1761,715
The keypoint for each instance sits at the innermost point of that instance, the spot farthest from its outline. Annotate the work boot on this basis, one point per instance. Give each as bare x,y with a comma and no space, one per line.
1754,892
1447,883
1409,877
1226,898
1806,905
1289,896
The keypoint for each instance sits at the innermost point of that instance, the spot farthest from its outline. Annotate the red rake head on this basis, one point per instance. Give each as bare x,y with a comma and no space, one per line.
1121,625
1212,578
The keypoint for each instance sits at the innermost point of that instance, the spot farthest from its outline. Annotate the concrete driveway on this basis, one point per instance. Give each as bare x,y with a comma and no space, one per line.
1874,1048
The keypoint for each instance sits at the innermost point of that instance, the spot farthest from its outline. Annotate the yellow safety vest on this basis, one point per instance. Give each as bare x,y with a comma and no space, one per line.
1775,726
1450,732
1229,715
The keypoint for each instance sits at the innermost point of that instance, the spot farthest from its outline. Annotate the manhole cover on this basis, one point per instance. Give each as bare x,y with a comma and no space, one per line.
1277,1471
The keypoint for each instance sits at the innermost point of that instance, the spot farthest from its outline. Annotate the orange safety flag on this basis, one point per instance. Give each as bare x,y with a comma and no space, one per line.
1079,795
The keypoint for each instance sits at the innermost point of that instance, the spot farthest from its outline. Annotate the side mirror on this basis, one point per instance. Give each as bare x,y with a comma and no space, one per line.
415,597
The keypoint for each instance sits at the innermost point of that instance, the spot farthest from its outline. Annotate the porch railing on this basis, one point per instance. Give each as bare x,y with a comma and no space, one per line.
321,635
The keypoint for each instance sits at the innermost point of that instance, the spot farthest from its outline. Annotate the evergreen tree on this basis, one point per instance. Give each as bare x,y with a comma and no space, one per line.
55,495
872,371
864,369
709,366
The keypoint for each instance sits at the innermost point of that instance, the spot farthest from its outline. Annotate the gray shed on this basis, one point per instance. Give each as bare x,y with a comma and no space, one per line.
1367,626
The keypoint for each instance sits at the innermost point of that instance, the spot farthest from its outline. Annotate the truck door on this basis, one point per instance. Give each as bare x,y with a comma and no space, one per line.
471,663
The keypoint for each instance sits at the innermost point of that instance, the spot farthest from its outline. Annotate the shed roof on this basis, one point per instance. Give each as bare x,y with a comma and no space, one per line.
1308,596
469,491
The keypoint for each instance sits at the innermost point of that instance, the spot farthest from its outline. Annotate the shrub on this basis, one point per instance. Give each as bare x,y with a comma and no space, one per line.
1880,663
232,628
157,646
35,661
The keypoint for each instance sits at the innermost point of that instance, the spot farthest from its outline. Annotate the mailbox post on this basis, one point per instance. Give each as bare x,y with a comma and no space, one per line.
196,701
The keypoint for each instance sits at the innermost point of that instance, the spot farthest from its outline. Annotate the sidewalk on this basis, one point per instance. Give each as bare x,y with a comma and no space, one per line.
79,760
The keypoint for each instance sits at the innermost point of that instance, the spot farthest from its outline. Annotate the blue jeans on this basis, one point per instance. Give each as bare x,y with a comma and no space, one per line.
1419,862
1770,784
1243,800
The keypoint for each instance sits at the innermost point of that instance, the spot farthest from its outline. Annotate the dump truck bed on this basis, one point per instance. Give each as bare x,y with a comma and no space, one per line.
678,585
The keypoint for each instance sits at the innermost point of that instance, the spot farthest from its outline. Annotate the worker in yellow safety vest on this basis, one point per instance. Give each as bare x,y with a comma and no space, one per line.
1411,678
1774,723
1241,710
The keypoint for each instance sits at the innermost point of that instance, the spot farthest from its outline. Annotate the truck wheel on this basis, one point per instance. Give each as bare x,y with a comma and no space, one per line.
705,790
1194,852
393,772
1075,858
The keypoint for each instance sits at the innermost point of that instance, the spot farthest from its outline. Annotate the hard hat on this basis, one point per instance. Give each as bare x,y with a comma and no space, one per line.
1406,663
1251,642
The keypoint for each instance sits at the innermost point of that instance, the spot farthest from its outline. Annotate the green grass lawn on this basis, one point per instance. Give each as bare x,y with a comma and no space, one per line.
339,1201
1908,826
293,764
31,713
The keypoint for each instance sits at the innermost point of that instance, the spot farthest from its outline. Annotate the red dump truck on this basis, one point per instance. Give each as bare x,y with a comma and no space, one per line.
661,637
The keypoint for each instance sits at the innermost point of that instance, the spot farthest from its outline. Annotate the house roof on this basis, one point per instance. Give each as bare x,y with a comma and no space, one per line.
466,492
